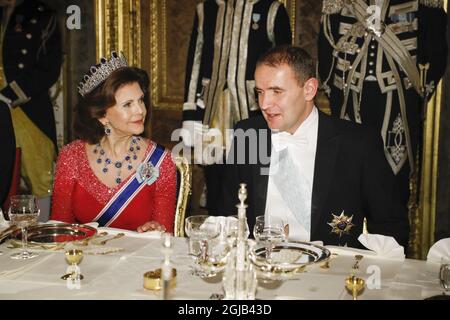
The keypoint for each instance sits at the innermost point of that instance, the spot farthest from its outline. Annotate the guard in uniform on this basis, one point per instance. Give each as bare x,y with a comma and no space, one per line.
227,39
29,65
379,61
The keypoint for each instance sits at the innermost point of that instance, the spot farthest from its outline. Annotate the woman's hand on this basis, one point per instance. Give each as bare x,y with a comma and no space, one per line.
151,226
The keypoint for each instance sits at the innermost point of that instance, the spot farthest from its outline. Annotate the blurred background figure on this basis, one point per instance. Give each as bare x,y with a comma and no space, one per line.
379,62
227,39
30,62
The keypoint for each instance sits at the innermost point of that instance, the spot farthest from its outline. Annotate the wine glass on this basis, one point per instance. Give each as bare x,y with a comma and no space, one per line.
23,212
200,232
270,231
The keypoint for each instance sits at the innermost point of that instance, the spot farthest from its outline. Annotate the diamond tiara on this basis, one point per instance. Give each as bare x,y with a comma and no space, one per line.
98,74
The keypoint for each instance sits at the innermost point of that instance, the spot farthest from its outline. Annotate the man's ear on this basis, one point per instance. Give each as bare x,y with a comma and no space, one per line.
310,88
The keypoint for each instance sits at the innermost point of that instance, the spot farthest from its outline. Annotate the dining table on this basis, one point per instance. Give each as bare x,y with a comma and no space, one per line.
115,268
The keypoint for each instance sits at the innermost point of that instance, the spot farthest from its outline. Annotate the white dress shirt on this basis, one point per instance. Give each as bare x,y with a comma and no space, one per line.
301,147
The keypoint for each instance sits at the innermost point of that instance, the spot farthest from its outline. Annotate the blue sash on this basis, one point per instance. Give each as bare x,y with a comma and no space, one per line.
123,197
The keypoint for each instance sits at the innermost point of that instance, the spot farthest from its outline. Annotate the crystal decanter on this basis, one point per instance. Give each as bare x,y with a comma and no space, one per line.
239,279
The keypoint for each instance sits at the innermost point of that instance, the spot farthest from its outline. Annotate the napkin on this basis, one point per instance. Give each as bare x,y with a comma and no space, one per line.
383,246
439,251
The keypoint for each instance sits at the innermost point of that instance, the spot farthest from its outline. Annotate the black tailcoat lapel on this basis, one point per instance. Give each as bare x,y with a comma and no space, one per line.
326,151
261,171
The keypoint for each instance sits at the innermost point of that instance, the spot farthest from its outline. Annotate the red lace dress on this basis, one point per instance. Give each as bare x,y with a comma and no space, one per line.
79,196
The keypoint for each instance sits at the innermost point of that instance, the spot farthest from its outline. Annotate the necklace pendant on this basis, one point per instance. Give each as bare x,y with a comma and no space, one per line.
118,180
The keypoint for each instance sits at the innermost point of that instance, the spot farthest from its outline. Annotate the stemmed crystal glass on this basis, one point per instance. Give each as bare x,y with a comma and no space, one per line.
200,233
269,231
444,274
23,212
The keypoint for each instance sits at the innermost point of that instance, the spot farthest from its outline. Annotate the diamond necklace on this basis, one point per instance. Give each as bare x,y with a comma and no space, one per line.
131,155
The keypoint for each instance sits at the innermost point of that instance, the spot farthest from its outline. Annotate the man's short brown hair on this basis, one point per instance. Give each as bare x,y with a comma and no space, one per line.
295,57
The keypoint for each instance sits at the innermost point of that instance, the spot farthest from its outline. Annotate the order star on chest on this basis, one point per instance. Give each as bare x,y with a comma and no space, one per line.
341,224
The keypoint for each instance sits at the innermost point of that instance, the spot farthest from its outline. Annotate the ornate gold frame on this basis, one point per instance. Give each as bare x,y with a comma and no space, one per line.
118,27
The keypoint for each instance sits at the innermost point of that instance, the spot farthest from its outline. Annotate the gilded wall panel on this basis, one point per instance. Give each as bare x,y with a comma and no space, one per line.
118,26
171,26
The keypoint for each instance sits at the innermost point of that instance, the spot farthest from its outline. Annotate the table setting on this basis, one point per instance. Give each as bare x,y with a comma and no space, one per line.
90,262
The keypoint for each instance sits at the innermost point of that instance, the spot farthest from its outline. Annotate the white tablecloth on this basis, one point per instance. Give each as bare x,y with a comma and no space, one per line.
119,275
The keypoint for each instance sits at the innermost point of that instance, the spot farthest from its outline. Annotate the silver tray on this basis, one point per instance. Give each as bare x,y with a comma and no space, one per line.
287,258
56,233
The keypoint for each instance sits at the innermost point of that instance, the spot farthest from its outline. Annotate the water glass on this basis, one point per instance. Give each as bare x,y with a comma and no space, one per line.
23,212
270,231
201,232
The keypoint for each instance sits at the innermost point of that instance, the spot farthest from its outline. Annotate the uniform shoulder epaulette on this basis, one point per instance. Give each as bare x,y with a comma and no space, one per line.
332,6
433,3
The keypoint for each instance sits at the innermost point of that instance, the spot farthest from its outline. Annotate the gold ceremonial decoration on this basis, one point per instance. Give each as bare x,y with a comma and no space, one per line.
153,281
184,190
341,224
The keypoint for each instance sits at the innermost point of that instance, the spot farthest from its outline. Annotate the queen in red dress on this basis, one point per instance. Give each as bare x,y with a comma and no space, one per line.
112,174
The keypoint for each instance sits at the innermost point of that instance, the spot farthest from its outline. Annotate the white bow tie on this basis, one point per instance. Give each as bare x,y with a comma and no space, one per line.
283,140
